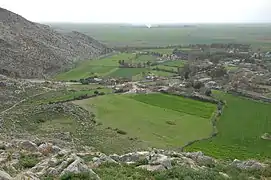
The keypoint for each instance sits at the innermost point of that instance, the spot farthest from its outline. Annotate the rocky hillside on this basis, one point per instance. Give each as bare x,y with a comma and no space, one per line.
30,49
24,159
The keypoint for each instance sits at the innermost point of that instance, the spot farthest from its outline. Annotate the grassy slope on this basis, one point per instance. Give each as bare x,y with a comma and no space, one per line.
148,122
240,128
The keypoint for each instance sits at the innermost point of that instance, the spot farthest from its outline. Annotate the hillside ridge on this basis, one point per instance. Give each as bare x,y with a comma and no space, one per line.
33,50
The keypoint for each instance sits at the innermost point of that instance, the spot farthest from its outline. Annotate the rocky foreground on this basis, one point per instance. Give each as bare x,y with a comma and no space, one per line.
23,159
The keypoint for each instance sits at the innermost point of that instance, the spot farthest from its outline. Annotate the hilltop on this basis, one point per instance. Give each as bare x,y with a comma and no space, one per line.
30,49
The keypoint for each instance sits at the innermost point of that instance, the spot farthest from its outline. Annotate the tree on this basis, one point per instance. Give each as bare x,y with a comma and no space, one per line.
96,92
84,81
208,92
186,71
197,85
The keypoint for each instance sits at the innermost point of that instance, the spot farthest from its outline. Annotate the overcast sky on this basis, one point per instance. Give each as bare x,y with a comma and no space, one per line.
142,11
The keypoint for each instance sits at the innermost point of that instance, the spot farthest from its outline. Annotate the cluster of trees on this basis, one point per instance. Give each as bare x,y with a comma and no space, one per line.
123,64
180,53
134,48
165,70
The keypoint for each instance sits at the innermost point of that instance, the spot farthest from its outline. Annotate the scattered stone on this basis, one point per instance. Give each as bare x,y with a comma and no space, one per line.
152,167
200,158
224,175
160,159
102,159
249,165
26,176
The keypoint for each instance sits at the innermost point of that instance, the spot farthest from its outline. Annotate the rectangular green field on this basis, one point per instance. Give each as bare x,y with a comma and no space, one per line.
145,58
127,72
162,73
240,128
177,63
156,124
98,67
166,67
177,103
67,95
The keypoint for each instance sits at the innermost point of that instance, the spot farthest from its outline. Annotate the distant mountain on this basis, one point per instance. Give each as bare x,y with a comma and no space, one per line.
32,50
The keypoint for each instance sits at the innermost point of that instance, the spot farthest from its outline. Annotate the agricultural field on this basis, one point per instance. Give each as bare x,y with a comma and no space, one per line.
159,120
240,128
67,95
121,35
145,58
94,67
109,67
127,72
168,68
178,63
161,51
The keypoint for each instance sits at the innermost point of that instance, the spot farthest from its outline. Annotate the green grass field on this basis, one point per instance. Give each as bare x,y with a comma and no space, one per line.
240,127
127,72
156,119
145,58
170,68
178,63
63,95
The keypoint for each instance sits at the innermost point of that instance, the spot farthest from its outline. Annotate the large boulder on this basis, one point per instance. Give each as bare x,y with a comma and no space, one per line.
160,159
200,158
130,157
97,161
47,148
29,146
78,166
4,176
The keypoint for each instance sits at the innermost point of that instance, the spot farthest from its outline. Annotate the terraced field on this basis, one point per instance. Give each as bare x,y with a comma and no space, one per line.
156,119
240,127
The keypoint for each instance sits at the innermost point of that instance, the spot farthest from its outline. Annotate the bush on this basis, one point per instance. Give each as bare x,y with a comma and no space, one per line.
208,92
102,93
28,161
170,122
120,131
96,92
76,176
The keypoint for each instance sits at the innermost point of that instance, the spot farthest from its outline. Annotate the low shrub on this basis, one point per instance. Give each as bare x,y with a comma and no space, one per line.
120,131
27,161
170,122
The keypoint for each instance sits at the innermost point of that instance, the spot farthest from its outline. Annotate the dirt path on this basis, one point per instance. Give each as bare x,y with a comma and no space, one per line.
20,102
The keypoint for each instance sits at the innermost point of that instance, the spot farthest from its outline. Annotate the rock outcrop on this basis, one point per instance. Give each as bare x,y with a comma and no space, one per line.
58,162
29,49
